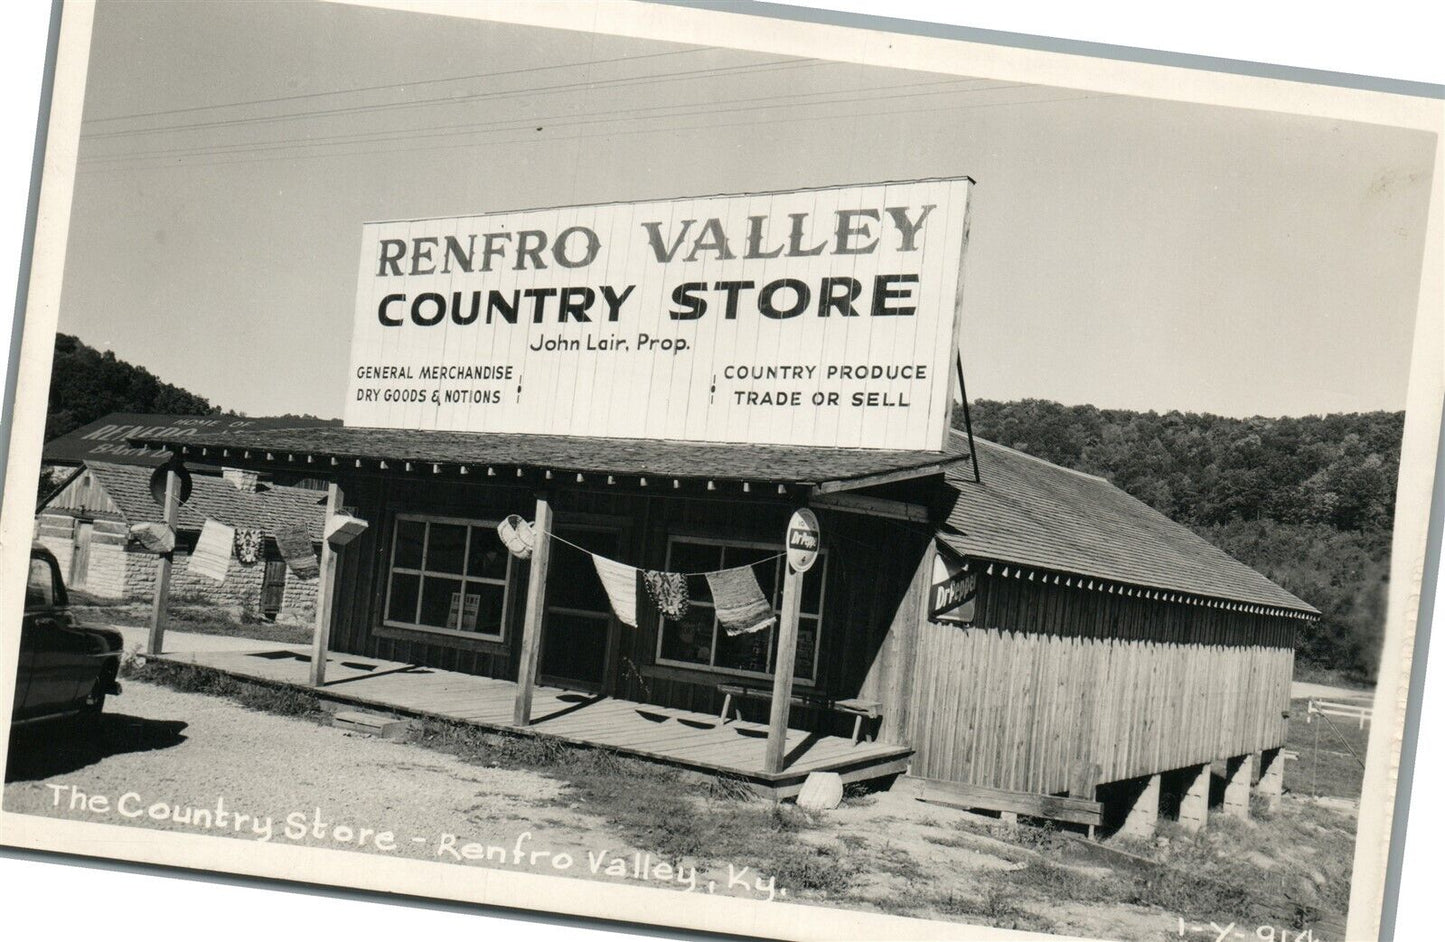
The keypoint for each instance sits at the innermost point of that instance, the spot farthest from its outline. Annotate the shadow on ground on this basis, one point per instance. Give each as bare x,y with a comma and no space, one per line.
60,746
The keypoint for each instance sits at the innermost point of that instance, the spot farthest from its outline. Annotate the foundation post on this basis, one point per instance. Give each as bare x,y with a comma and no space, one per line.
1236,786
1194,803
160,604
1271,777
536,601
325,592
1143,812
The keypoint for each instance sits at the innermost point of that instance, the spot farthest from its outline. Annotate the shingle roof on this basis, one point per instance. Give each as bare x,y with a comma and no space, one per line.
1026,511
1032,512
269,508
630,456
106,438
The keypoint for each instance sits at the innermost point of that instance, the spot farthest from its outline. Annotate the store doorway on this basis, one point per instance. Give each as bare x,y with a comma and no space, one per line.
578,622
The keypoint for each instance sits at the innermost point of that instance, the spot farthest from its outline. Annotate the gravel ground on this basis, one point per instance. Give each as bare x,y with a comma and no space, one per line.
182,751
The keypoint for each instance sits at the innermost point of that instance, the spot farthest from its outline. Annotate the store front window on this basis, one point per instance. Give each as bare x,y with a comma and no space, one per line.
699,641
447,575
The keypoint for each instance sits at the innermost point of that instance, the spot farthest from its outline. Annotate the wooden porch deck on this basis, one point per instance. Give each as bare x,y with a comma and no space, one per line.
696,741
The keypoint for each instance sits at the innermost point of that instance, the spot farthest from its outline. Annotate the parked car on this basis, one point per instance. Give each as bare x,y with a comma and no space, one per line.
65,669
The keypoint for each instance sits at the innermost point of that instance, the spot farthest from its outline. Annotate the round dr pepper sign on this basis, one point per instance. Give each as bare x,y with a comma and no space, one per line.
803,540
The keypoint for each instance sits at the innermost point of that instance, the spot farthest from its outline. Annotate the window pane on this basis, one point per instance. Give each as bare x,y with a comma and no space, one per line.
409,534
487,557
403,597
690,639
446,547
40,589
686,556
746,652
807,644
813,588
486,598
441,603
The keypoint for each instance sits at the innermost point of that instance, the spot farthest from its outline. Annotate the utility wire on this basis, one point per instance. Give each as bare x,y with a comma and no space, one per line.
625,81
613,132
390,85
572,120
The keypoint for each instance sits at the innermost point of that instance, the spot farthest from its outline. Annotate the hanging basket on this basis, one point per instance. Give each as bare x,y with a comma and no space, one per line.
517,536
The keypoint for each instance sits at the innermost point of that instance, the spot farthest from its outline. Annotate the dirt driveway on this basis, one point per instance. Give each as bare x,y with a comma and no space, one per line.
189,762
199,762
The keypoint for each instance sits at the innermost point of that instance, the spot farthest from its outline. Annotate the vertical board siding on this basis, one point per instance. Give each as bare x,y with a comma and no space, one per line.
1049,678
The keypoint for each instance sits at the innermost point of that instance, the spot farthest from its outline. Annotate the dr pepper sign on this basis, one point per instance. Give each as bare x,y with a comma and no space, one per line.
803,540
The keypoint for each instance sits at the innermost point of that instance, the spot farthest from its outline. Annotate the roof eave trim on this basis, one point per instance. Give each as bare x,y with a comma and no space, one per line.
1009,569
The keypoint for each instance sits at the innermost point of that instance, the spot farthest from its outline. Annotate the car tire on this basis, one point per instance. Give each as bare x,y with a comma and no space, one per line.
95,700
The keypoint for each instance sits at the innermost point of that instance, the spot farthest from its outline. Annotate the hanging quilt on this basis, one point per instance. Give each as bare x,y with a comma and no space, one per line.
620,581
249,541
668,591
739,601
212,555
296,548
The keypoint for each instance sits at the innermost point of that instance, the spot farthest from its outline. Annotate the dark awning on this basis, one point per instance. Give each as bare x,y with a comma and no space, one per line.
823,469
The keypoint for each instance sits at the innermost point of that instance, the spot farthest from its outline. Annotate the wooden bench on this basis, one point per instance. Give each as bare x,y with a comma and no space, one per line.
856,707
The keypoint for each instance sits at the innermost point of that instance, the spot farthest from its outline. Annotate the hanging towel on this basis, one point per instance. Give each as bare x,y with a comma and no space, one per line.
739,601
668,591
620,581
248,545
156,537
212,555
296,548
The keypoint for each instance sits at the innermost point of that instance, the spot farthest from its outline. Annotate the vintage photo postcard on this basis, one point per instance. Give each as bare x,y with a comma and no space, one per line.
719,472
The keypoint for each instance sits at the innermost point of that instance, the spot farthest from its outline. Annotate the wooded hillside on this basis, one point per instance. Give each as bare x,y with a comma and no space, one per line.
87,384
1307,501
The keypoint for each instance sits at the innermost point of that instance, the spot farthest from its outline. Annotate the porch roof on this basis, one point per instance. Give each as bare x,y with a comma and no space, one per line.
823,468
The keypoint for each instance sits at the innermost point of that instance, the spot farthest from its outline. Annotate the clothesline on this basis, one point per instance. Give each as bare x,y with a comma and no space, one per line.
756,562
738,601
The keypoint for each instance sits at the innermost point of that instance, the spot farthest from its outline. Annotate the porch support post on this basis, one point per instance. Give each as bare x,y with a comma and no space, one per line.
1143,814
1194,803
532,622
783,670
1236,786
160,604
325,592
1271,777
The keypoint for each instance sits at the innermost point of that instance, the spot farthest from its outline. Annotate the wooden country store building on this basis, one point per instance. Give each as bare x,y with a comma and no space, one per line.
1102,661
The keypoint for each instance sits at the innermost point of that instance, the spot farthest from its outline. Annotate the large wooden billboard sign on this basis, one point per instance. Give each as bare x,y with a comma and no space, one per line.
817,317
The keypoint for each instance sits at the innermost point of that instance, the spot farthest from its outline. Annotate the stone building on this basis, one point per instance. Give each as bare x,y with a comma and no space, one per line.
86,524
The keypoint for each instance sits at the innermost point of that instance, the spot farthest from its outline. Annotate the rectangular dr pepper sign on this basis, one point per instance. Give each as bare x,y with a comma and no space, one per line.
817,317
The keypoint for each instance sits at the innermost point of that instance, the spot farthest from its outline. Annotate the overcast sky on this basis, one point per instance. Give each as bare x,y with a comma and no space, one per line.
1124,252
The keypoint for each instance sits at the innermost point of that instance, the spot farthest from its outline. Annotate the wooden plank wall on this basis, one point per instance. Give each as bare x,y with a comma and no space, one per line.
1051,679
870,612
86,496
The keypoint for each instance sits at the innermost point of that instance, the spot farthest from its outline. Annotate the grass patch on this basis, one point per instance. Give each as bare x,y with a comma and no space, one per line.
188,678
1325,766
190,613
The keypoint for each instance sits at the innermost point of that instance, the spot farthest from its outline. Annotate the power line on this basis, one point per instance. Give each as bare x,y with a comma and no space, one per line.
619,133
374,88
775,65
572,120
